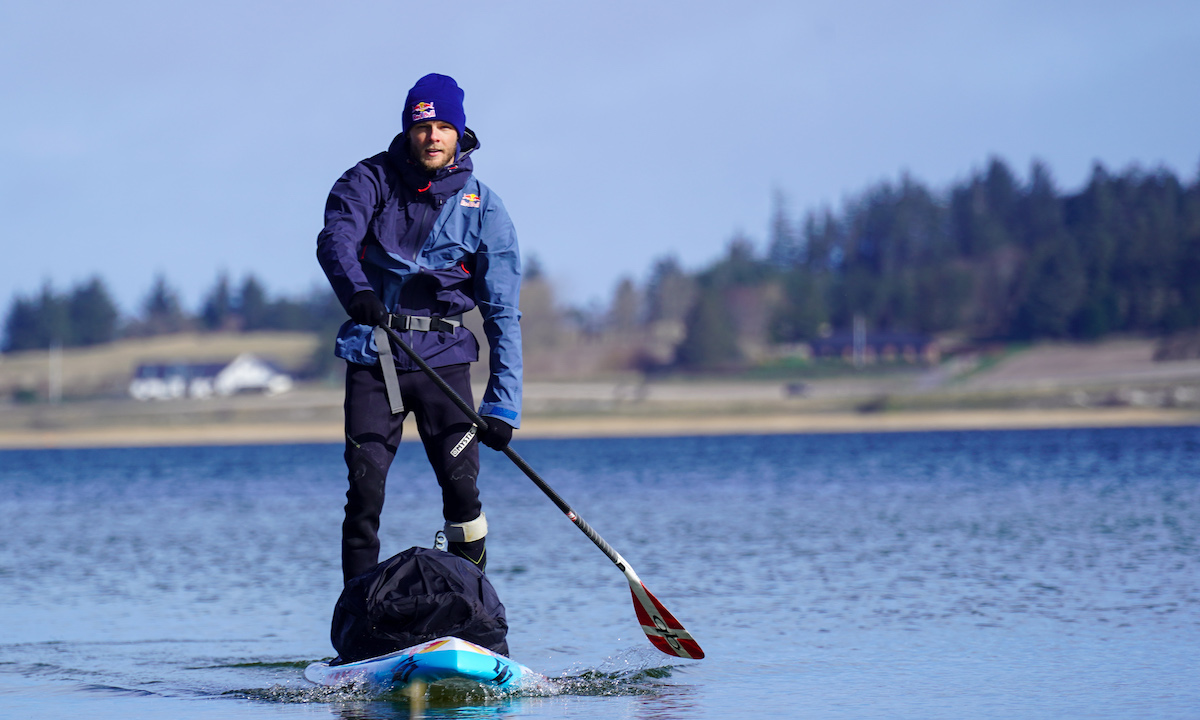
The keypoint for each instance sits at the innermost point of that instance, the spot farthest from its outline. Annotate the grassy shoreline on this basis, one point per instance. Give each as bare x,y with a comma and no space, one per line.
604,426
1118,382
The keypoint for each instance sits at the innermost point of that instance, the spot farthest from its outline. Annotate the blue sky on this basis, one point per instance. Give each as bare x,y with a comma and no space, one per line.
192,138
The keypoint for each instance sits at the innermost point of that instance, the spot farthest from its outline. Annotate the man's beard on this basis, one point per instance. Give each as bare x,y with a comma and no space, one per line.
433,166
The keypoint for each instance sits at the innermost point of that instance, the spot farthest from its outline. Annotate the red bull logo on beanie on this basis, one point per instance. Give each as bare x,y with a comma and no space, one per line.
470,200
423,111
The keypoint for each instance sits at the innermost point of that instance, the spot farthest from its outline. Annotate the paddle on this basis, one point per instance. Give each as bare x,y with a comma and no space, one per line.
661,628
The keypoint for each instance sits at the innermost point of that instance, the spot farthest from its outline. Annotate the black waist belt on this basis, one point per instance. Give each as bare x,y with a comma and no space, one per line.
422,323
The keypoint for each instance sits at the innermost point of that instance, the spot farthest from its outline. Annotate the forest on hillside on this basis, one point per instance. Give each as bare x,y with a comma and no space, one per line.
992,257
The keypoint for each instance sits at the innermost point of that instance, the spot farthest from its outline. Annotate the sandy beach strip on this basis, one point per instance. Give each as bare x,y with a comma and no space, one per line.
602,426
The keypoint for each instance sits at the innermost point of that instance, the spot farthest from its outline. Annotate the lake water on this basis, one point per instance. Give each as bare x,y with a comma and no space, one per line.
1045,574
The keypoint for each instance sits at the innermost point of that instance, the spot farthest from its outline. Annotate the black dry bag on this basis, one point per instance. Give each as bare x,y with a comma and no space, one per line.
411,598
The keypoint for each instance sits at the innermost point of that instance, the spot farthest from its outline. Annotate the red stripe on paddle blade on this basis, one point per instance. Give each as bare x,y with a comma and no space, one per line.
668,634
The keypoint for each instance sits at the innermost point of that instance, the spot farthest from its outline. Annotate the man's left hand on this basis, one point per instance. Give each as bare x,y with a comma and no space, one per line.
497,434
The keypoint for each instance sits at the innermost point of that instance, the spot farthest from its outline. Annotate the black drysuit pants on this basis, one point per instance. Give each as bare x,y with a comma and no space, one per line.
372,434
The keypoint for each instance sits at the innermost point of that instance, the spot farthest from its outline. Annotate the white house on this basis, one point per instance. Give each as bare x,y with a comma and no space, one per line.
246,373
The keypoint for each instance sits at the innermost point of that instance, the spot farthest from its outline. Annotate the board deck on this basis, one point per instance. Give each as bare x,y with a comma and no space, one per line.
441,659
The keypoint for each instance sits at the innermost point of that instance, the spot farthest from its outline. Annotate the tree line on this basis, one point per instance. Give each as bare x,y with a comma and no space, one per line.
996,258
991,257
87,315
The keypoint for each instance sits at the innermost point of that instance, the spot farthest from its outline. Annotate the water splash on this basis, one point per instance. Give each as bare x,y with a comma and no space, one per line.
635,671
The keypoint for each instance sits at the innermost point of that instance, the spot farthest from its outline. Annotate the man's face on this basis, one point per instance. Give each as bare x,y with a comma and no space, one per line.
432,144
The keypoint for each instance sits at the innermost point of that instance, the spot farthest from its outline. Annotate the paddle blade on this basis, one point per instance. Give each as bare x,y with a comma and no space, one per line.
661,627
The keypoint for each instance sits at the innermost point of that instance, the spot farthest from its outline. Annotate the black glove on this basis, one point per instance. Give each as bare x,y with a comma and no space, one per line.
496,434
365,308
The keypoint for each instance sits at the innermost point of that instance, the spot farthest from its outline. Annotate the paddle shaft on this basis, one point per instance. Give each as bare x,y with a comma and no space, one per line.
512,454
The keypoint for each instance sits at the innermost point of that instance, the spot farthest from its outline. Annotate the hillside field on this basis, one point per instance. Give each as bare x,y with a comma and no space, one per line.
1113,383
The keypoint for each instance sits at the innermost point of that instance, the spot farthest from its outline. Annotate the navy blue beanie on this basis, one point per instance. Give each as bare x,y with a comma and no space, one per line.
435,97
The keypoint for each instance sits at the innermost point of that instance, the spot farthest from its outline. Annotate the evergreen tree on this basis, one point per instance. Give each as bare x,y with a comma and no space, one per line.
1187,271
740,266
710,342
670,292
252,305
942,297
1053,283
786,246
22,326
87,316
1095,219
823,242
984,227
803,310
54,318
625,315
92,314
1149,251
161,310
216,313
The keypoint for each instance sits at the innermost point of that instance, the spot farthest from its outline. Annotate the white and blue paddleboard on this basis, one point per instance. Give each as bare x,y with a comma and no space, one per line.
441,659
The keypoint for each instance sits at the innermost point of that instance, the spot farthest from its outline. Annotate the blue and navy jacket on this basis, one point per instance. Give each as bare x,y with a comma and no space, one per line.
436,245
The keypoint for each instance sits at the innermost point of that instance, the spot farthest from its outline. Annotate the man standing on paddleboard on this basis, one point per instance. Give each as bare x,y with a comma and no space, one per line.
412,241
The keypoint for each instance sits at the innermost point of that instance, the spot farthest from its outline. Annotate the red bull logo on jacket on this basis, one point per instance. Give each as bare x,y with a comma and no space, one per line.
423,111
470,200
